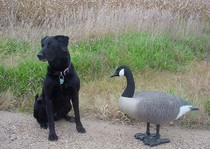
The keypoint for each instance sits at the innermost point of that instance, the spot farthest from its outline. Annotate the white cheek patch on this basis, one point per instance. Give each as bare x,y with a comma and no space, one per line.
183,110
121,73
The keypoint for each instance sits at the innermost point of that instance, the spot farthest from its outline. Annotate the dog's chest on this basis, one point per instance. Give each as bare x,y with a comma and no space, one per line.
65,89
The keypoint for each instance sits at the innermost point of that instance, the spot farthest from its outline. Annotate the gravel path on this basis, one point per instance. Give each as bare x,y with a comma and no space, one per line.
21,131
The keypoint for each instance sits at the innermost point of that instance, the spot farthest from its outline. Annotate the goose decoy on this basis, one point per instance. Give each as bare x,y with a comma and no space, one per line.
151,107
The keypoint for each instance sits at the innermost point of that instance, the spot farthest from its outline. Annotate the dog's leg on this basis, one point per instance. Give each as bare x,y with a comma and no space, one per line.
75,101
49,108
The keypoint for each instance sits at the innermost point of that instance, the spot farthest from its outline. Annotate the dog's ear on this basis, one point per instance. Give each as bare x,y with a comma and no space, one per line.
63,42
42,40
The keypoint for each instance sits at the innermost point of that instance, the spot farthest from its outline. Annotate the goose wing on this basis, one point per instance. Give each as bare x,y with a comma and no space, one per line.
158,107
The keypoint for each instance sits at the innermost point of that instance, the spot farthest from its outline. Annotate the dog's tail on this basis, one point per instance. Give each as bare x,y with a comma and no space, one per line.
38,99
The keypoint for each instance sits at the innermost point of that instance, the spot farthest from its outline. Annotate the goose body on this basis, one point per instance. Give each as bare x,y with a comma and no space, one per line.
150,106
154,107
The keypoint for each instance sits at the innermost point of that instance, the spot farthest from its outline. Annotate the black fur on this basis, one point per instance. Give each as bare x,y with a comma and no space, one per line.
54,102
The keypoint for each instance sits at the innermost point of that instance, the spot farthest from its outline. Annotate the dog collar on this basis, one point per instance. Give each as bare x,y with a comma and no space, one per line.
61,74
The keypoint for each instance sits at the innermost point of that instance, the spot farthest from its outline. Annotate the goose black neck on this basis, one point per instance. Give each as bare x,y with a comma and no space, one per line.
130,88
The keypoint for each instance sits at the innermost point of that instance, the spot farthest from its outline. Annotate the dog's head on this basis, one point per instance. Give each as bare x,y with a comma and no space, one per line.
53,47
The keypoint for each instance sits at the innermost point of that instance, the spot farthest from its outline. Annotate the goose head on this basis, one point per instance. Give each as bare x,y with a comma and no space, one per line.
121,71
125,71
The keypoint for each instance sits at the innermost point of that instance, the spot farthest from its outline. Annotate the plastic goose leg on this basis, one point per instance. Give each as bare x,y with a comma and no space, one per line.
156,140
142,136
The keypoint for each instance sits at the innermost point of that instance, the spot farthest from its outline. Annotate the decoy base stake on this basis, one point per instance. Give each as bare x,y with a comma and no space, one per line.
143,136
152,141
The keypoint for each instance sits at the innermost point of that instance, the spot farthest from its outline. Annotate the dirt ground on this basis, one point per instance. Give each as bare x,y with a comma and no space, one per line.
21,131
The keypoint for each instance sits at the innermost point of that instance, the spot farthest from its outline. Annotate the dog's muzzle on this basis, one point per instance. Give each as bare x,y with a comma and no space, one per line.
41,56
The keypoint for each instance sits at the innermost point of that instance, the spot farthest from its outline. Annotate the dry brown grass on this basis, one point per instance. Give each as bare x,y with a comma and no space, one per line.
80,19
193,85
7,101
99,97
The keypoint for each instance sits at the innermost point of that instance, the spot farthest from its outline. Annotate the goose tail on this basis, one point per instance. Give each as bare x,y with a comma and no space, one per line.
193,108
186,108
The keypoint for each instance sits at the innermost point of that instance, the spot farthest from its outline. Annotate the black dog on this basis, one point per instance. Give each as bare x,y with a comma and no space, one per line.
60,85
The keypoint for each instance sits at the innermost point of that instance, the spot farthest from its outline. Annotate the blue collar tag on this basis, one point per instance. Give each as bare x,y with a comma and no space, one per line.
61,79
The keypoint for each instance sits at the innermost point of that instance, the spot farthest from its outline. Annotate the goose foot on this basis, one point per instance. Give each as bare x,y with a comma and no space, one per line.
142,136
153,141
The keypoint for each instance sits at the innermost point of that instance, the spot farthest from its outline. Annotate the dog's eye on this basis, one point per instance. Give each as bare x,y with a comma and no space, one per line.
48,45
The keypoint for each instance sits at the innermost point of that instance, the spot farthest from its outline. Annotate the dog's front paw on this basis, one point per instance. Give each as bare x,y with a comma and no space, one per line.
81,129
43,125
52,137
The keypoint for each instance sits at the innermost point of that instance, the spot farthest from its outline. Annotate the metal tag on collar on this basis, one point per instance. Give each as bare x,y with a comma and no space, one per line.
61,78
65,71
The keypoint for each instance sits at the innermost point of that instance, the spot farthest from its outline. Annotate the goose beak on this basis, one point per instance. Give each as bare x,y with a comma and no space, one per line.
114,75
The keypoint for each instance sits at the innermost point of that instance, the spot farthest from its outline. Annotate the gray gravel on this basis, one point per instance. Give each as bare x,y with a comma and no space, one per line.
21,131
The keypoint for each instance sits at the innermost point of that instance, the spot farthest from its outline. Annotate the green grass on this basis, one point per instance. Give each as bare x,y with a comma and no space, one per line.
99,57
96,58
138,50
23,79
12,46
208,107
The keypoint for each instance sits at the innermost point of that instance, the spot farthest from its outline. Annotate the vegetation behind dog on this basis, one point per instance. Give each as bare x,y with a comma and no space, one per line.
170,56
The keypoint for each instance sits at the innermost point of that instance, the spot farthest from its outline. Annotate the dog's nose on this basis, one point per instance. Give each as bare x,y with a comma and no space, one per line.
40,55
